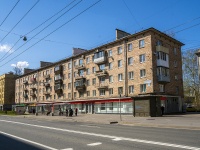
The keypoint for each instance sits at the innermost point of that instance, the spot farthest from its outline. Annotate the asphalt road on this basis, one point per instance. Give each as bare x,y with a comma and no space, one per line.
33,134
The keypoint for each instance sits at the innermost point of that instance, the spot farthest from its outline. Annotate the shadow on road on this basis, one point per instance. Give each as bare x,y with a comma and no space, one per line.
8,143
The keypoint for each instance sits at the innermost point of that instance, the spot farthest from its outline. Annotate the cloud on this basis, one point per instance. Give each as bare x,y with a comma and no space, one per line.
21,64
5,48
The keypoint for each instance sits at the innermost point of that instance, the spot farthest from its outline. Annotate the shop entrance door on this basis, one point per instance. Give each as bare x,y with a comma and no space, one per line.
90,108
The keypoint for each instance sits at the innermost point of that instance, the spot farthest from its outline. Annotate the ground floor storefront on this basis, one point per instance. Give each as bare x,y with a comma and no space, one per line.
142,105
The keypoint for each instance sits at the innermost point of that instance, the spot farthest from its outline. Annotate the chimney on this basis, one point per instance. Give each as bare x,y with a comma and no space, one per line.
120,34
44,64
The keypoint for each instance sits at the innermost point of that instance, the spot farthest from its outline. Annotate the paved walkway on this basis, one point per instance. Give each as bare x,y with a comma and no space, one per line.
182,121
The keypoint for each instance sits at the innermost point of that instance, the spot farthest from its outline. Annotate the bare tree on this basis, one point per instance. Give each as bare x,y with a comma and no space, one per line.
191,80
18,70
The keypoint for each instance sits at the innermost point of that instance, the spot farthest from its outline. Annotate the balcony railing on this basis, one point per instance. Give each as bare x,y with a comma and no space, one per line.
100,60
32,94
33,87
46,84
102,86
47,92
82,66
162,48
80,77
25,82
162,78
58,69
101,73
80,87
47,76
58,90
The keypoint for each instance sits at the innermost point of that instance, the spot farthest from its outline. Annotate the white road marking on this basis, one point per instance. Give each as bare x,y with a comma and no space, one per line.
89,126
94,144
67,149
117,139
35,143
108,136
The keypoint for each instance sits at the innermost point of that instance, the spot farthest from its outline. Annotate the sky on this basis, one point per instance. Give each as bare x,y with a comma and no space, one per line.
54,27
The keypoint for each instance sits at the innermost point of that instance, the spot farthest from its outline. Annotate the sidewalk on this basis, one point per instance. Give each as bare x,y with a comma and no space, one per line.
180,121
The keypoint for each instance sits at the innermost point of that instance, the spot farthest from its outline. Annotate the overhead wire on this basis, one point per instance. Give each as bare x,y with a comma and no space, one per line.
53,31
3,57
9,12
19,20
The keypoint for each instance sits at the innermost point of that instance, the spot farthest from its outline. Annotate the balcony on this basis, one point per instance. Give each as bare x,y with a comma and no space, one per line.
33,80
81,87
33,94
47,76
82,66
58,69
46,84
25,82
163,79
162,49
100,60
80,77
47,92
102,86
163,63
25,96
101,73
33,87
25,89
58,90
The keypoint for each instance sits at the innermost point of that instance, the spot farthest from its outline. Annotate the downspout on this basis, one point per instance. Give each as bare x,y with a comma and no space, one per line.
125,69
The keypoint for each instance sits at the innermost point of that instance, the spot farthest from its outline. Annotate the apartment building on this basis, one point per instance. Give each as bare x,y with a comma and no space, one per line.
135,74
7,91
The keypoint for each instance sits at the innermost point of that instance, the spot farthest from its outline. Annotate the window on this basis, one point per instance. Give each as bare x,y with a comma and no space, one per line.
99,54
130,47
159,42
131,89
102,67
81,72
177,89
176,77
92,58
175,63
81,94
120,77
69,85
69,65
69,75
142,58
162,56
161,88
142,73
93,69
109,53
119,50
110,66
101,79
94,81
131,75
74,94
103,106
75,63
80,62
141,43
120,90
69,95
88,60
142,88
111,91
130,60
94,93
175,52
87,71
88,93
102,92
119,63
110,79
64,86
88,82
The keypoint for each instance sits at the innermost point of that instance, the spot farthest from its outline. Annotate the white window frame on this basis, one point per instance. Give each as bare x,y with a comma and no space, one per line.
131,89
142,58
142,73
119,63
120,77
110,66
141,43
109,53
111,79
130,47
143,88
102,92
87,60
110,91
131,75
130,61
119,50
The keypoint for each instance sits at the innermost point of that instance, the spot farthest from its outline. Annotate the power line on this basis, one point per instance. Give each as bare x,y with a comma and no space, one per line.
132,14
2,58
188,28
9,12
53,31
20,20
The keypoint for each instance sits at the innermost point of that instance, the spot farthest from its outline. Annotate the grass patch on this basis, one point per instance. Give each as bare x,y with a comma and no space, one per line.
7,113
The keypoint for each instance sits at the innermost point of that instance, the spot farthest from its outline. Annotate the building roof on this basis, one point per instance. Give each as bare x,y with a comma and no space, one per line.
104,45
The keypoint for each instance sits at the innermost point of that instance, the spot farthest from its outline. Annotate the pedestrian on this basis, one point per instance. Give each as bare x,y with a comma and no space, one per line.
66,112
162,110
76,111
